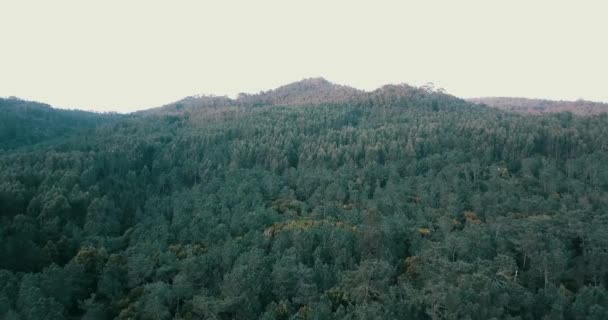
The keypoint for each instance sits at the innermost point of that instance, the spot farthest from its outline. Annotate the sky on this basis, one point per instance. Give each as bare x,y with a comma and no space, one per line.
126,55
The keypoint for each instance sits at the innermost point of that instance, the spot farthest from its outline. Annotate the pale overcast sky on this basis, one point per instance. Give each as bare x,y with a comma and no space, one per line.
127,55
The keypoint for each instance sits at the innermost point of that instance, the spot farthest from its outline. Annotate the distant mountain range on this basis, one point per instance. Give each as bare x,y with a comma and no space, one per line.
307,92
538,106
315,91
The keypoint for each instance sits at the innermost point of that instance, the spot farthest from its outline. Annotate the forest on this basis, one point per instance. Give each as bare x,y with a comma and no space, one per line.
311,201
538,106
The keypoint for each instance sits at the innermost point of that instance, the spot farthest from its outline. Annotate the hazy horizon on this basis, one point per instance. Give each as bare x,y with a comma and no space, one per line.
115,56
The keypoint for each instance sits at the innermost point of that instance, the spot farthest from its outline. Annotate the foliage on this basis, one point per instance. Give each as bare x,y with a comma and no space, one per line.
400,203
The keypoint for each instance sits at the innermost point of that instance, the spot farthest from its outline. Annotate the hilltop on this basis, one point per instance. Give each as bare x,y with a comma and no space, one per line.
306,92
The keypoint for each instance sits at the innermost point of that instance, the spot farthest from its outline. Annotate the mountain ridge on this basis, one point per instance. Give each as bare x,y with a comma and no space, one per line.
540,106
318,90
25,122
305,92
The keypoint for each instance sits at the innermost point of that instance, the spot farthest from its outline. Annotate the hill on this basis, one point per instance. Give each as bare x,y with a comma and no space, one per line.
307,92
24,123
310,201
312,91
539,106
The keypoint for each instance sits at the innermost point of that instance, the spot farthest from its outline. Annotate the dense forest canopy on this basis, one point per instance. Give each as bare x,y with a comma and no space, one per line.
401,203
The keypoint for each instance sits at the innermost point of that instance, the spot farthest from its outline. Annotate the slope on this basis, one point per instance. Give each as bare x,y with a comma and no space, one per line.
538,106
24,123
409,204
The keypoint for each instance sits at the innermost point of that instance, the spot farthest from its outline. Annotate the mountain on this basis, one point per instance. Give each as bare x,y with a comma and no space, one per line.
312,91
210,103
309,201
26,122
306,92
539,106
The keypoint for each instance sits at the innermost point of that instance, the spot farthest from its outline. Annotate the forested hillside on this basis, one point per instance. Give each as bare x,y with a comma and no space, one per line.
538,106
401,203
24,123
